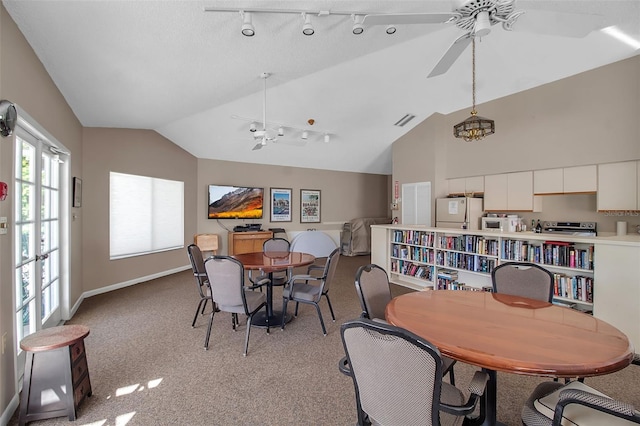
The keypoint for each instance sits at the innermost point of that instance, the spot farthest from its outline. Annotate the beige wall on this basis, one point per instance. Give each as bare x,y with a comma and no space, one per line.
590,118
343,195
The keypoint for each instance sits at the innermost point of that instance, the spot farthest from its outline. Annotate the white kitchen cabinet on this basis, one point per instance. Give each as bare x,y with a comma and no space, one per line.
510,192
466,185
548,181
618,186
495,192
580,179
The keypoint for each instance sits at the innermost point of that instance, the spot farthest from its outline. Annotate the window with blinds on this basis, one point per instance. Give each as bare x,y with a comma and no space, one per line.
146,215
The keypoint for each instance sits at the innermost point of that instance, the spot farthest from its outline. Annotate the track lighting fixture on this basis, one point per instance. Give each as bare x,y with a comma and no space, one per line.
305,135
252,126
307,28
358,28
247,27
280,131
327,138
390,29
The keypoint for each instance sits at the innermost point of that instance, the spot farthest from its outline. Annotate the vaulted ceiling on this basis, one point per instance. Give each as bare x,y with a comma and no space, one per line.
186,73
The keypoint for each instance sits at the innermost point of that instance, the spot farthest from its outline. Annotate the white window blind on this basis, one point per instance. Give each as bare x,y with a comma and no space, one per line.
146,215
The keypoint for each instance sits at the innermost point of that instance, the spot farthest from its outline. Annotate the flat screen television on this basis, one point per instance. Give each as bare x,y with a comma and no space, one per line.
235,202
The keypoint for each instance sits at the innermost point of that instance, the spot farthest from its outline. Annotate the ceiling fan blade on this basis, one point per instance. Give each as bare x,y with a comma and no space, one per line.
257,147
451,55
406,18
557,23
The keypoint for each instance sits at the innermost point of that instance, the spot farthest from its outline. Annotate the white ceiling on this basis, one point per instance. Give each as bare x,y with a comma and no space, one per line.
172,67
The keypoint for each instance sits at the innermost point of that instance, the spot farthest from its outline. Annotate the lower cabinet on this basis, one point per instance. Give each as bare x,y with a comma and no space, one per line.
438,258
247,242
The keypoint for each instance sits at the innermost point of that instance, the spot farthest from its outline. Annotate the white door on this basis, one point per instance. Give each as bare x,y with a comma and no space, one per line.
36,237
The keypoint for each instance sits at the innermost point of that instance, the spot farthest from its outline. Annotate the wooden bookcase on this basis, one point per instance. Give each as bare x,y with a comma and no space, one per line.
247,242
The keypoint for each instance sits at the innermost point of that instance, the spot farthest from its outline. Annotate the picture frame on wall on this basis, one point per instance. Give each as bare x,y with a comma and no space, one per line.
309,206
280,204
77,192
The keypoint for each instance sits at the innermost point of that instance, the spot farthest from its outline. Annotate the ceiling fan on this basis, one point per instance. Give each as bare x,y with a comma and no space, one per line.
476,17
265,135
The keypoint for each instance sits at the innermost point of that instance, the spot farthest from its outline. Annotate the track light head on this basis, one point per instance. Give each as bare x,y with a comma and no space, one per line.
247,27
327,138
252,126
280,131
305,135
307,28
390,29
358,28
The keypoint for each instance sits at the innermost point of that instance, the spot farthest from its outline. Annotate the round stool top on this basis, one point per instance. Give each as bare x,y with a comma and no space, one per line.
54,338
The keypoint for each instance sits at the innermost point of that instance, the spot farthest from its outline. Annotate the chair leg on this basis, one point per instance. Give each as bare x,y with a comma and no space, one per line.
452,378
206,340
246,338
330,307
195,317
284,311
324,330
204,305
295,314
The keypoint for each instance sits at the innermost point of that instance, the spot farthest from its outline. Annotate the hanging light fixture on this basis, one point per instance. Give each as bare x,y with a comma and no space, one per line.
475,127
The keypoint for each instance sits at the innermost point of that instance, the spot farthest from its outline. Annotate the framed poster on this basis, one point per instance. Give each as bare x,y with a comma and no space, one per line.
77,192
280,205
309,205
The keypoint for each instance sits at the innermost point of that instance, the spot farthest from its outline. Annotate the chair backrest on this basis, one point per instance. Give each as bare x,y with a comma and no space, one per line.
397,375
372,286
330,269
275,244
197,263
227,280
523,279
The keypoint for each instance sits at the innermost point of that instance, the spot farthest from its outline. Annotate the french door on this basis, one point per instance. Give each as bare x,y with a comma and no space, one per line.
37,235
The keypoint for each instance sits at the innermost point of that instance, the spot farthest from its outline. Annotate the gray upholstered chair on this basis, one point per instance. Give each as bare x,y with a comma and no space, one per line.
226,276
374,292
575,403
397,378
276,278
309,289
202,281
523,279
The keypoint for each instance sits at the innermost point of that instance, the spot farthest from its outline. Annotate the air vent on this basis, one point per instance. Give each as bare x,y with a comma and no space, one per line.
404,120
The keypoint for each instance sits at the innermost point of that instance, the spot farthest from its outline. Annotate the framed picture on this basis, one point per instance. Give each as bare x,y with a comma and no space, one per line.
77,192
280,205
309,205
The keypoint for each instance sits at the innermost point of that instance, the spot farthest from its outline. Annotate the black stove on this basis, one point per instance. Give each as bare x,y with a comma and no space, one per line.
587,229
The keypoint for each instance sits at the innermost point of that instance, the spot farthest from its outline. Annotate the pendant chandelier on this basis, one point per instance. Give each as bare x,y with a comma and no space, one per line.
475,127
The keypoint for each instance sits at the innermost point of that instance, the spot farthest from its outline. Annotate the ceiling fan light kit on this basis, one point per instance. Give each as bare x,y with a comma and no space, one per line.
475,127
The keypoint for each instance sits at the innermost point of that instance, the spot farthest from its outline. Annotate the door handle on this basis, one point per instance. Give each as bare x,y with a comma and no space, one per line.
42,257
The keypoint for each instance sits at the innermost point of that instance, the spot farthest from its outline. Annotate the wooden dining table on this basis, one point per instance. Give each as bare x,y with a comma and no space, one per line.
513,334
268,262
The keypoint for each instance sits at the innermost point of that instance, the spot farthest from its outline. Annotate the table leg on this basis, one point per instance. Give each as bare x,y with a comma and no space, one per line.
275,317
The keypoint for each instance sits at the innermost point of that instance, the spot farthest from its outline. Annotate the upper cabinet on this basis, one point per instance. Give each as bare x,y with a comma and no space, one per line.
467,185
619,186
568,180
510,192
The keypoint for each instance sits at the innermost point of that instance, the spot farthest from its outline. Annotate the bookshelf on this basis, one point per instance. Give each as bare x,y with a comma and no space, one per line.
593,274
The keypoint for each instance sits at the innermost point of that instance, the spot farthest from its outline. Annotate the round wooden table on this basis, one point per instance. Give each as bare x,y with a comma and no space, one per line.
513,334
268,262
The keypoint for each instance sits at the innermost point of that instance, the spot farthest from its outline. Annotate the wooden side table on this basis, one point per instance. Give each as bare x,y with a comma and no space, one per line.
56,377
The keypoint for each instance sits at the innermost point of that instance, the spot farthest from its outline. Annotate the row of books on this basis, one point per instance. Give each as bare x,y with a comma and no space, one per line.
411,269
577,287
548,253
420,238
419,254
469,262
470,244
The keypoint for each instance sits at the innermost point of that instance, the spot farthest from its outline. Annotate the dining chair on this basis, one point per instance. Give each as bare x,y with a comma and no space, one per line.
202,281
226,276
575,403
309,288
276,278
523,279
374,292
397,377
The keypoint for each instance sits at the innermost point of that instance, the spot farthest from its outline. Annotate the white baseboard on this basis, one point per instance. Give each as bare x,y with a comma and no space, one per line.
9,411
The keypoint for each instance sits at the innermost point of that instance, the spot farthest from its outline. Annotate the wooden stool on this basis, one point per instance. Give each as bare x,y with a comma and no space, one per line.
56,377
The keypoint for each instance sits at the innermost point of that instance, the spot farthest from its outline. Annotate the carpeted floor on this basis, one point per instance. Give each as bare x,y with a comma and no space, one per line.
148,366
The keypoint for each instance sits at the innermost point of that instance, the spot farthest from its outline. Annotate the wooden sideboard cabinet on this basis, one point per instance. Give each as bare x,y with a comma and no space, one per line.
247,242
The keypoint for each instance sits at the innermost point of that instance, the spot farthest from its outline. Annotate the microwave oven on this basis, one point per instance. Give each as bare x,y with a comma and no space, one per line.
507,224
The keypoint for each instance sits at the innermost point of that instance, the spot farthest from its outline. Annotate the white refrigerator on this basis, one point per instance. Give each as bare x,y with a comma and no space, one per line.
460,213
